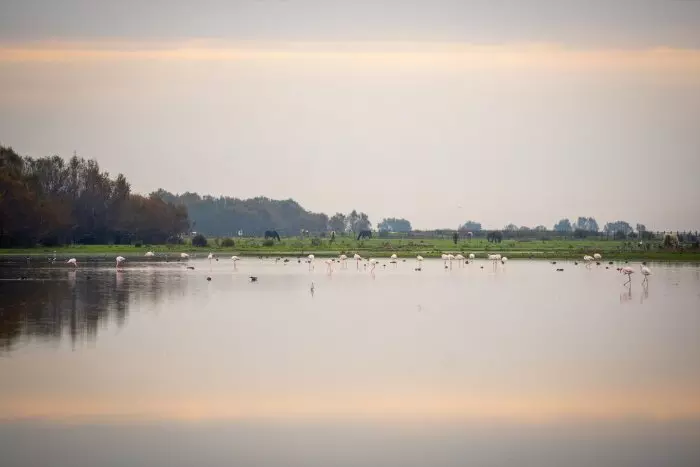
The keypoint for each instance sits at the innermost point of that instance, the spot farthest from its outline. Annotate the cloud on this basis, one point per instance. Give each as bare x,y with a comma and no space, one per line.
379,54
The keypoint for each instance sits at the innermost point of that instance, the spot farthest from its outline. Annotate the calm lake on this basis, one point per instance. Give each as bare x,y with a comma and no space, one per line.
516,365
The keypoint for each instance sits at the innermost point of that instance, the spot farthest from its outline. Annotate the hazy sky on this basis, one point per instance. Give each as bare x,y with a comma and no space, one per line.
437,111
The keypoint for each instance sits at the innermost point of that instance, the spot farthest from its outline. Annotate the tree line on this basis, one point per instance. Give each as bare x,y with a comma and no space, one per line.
51,201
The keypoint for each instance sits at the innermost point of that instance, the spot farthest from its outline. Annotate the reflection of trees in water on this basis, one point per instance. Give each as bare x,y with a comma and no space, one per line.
76,303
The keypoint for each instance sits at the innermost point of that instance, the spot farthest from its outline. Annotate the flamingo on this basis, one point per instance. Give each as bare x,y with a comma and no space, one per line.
459,258
210,257
394,257
357,258
373,262
120,260
646,272
149,254
597,256
235,260
471,256
343,261
588,260
311,261
628,271
73,261
184,255
329,266
444,259
504,260
419,258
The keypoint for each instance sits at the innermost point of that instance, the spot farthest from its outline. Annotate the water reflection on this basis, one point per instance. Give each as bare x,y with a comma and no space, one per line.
52,304
531,343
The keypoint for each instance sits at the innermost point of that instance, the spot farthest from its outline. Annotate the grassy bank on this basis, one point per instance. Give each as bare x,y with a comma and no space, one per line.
376,247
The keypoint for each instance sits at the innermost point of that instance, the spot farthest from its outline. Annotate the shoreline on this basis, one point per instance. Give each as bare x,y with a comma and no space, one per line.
173,254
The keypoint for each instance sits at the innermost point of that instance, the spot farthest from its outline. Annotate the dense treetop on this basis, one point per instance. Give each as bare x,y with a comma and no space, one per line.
52,201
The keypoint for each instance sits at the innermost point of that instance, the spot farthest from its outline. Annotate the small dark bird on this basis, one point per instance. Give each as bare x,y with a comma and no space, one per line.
253,279
286,260
445,266
607,267
610,262
217,259
208,278
482,267
190,267
575,263
418,269
644,263
560,270
554,262
597,263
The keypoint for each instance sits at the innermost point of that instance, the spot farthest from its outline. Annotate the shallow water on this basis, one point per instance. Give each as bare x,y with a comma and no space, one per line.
398,367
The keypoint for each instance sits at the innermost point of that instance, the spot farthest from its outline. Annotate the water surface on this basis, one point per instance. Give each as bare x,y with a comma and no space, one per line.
495,364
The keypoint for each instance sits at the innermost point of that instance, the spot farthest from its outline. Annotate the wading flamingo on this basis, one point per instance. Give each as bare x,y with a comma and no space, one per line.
149,254
235,260
597,257
419,258
646,272
460,258
311,262
343,261
73,261
628,271
357,259
393,259
373,264
184,255
504,260
471,256
120,260
329,267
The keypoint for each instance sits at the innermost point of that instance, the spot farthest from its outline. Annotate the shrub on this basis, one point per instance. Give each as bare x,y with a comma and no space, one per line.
199,240
138,243
268,242
315,241
228,243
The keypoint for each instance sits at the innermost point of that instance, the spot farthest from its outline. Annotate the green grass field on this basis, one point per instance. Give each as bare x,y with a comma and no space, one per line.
377,247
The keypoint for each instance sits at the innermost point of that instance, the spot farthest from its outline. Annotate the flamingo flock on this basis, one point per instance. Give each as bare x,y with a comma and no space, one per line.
371,263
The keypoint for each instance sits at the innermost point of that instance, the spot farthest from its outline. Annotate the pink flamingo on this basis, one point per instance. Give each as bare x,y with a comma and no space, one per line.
629,271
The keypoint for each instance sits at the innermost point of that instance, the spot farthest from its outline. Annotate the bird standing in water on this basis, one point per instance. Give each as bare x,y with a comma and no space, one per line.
646,272
628,271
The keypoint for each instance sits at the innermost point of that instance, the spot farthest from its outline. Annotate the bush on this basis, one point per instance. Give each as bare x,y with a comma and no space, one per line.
138,243
199,240
228,243
268,242
315,241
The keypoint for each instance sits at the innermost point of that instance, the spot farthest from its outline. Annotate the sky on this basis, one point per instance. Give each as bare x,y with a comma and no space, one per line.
436,111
